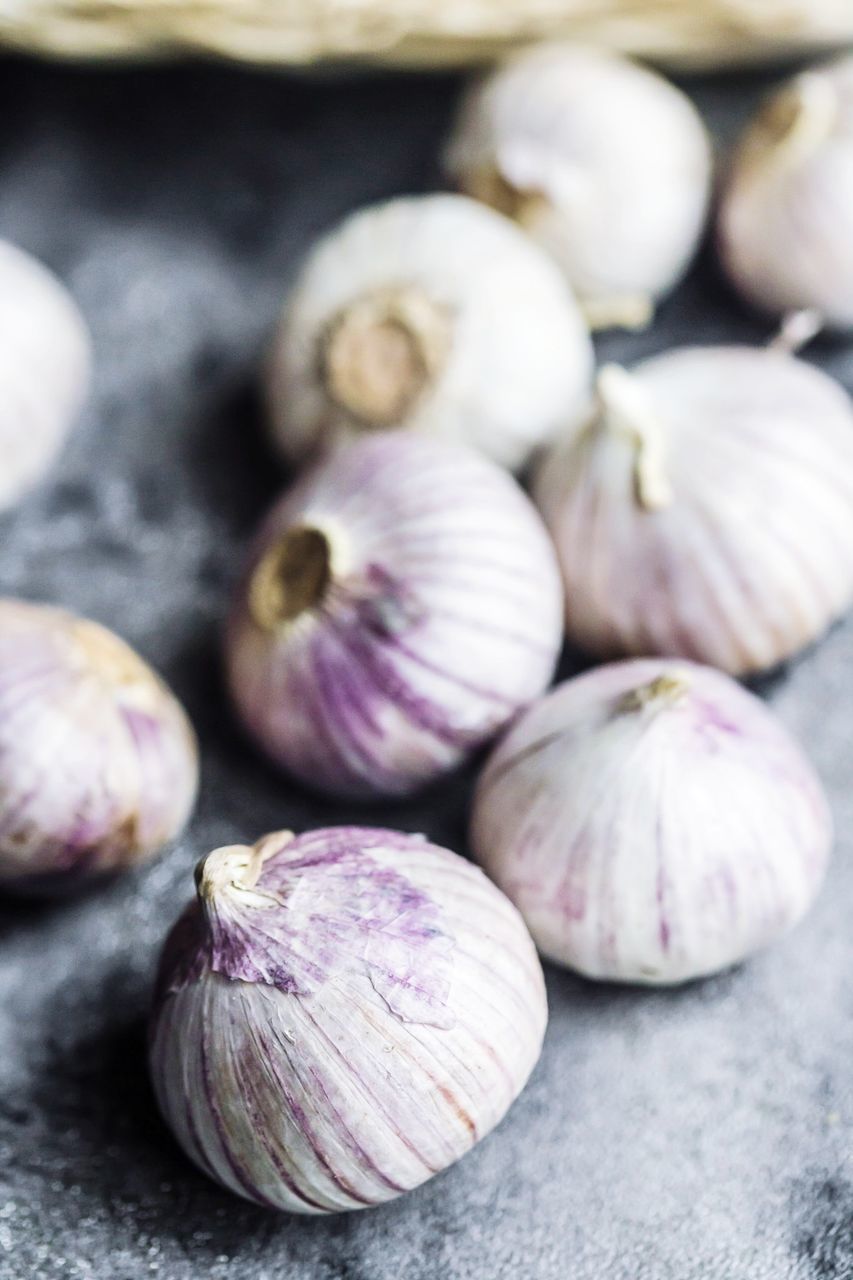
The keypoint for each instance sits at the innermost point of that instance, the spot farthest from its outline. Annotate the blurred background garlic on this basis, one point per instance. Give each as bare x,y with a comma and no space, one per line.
435,314
706,509
653,822
401,604
98,762
341,1015
604,163
785,225
44,370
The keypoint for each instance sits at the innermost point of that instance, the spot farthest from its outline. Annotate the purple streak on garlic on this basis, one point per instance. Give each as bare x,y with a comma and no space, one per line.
707,508
340,1016
786,215
401,604
653,822
98,762
604,163
434,314
44,370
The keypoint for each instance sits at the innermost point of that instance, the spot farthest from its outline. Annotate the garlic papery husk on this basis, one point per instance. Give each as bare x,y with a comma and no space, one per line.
44,370
604,163
653,822
98,762
707,508
785,226
341,1015
401,604
430,313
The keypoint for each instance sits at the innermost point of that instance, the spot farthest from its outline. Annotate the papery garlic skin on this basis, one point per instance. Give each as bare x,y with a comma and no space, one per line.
604,163
401,604
433,314
98,762
653,822
340,1016
785,225
707,509
44,370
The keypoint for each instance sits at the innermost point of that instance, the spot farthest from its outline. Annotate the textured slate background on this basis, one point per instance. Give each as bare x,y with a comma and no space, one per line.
701,1133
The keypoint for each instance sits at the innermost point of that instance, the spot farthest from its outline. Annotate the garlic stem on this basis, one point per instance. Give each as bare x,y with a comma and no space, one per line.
628,311
627,409
797,330
291,577
237,868
802,118
664,691
382,353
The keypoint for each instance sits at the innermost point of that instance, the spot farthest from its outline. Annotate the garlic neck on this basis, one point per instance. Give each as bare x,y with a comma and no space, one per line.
664,691
625,408
293,576
382,353
623,311
232,872
800,118
797,330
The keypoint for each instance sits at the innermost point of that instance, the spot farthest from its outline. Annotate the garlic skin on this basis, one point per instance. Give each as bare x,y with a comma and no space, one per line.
433,314
98,762
706,510
604,163
44,370
341,1015
785,224
401,604
653,822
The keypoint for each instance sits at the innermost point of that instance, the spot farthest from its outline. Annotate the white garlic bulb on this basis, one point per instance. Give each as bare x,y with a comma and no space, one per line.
430,313
785,224
706,510
44,370
605,163
653,822
340,1015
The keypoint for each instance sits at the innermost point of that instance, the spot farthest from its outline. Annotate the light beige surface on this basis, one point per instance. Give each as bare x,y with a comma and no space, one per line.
683,33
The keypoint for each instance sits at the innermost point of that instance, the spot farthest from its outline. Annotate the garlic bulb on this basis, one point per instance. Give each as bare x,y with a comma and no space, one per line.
44,370
430,313
786,213
98,765
402,603
340,1016
604,163
653,822
707,508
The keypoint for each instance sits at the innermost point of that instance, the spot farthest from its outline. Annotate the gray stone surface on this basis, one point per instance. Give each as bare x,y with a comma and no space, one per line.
701,1134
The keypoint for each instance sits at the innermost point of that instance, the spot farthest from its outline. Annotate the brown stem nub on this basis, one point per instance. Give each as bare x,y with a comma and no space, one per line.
108,655
292,576
489,186
382,353
799,118
663,691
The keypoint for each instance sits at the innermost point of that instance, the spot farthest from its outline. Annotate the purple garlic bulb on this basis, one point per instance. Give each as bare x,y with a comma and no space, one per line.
706,509
341,1015
44,370
98,761
401,604
653,822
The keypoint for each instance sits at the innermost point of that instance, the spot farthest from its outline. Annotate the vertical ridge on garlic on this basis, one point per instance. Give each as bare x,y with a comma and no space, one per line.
340,1015
98,761
44,370
602,162
653,822
400,605
434,314
785,223
706,509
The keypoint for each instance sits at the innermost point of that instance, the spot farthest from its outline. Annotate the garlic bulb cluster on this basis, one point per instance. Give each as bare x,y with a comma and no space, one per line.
786,214
98,762
340,1016
604,163
44,370
653,822
401,605
430,313
706,510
